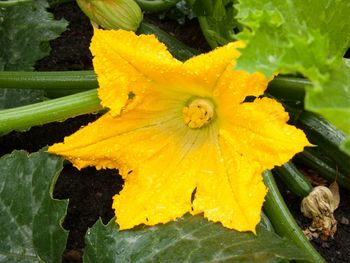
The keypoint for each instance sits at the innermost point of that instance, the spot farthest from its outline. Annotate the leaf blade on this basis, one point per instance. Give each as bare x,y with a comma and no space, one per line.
25,32
31,232
189,239
287,37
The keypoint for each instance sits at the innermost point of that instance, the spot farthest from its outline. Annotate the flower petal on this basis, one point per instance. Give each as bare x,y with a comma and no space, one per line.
161,189
229,187
208,68
125,62
107,143
199,75
259,132
235,85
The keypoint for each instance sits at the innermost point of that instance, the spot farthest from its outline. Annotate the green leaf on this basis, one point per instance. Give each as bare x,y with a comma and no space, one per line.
25,32
10,98
308,37
337,86
30,218
189,239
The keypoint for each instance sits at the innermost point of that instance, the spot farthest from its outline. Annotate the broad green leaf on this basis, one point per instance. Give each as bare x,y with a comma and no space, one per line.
189,239
308,37
337,86
10,98
25,32
30,219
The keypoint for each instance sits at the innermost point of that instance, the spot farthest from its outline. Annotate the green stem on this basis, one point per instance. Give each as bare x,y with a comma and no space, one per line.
57,2
63,83
156,5
24,117
282,220
288,88
203,23
317,161
293,179
13,2
55,83
178,49
324,134
60,83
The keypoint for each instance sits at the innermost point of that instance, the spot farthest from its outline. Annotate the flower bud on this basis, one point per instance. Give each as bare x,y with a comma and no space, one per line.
113,14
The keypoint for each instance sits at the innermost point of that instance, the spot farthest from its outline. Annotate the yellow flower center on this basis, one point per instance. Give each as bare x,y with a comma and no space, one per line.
198,113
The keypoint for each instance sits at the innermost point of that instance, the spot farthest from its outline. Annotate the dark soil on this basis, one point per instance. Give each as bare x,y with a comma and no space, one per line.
89,191
338,249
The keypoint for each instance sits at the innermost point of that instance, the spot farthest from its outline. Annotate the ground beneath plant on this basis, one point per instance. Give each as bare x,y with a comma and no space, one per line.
89,191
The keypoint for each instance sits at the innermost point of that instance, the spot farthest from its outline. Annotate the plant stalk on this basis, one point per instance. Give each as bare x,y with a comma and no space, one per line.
325,167
288,88
24,117
156,5
283,221
324,134
295,181
178,49
58,2
55,83
60,83
9,3
203,23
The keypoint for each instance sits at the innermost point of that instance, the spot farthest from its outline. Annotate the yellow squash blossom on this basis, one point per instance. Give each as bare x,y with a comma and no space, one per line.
186,140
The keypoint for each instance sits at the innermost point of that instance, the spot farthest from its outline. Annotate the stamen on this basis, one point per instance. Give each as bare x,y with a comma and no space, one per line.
198,113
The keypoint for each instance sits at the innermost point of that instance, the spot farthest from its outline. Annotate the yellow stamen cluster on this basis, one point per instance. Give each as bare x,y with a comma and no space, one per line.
198,113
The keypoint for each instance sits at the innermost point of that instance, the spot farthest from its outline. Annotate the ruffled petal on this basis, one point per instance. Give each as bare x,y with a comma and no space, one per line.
229,187
259,132
208,68
125,62
162,186
118,142
235,85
